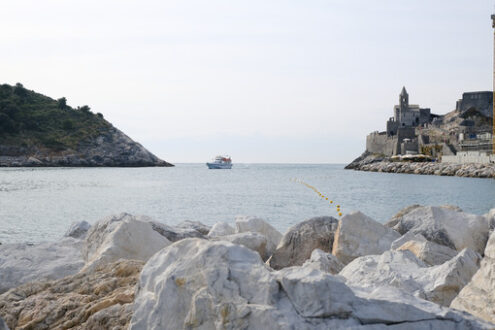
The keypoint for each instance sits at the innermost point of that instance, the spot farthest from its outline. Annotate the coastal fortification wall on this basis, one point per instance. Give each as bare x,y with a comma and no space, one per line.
380,143
481,101
465,157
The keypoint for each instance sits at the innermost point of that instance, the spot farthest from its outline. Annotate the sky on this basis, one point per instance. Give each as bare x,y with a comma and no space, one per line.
263,81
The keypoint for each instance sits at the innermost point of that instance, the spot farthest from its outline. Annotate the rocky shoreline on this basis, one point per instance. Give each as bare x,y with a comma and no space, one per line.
376,163
426,268
112,148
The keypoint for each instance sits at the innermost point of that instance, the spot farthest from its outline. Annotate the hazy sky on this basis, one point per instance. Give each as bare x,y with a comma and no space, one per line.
263,81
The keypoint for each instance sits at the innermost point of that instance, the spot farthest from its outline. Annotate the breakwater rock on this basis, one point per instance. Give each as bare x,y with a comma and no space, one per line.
374,163
131,272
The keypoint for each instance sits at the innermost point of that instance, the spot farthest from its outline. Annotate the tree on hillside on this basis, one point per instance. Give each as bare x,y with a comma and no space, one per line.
20,90
7,125
68,125
84,108
62,103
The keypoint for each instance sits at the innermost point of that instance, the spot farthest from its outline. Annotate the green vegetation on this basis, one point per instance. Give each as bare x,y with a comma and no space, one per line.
30,119
431,150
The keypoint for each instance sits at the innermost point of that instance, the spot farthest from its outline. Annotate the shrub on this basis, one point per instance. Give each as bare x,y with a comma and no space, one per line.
62,103
67,125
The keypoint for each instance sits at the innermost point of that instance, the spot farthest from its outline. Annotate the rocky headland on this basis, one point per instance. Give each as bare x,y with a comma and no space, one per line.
426,268
416,141
38,131
379,163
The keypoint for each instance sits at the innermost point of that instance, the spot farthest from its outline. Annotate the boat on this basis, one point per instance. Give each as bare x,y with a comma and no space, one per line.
220,162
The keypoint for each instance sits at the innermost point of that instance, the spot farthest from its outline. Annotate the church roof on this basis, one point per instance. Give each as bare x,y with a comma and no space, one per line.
403,92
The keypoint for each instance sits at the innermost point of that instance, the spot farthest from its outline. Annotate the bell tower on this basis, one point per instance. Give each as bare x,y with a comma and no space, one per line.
404,100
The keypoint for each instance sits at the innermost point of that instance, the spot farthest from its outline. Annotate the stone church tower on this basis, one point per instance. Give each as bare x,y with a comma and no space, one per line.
404,100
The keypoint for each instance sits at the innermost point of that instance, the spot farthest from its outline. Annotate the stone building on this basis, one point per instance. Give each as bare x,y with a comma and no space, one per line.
400,135
481,101
407,115
413,129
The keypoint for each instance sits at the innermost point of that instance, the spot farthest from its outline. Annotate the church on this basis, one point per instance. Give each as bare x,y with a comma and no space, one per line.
407,115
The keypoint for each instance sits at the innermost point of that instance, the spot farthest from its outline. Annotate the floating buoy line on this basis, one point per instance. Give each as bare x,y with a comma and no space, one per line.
322,196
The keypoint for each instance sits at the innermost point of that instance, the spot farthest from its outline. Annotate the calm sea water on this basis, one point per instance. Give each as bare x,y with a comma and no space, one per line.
39,204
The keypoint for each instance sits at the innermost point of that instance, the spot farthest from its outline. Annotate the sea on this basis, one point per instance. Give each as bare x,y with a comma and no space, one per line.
39,204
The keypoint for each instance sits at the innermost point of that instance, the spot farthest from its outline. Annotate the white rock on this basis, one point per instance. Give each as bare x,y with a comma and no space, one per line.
430,253
196,225
490,217
22,262
478,296
3,326
316,294
444,226
173,234
358,235
409,236
402,270
78,229
257,225
253,241
323,261
490,246
204,284
300,240
399,215
121,237
221,229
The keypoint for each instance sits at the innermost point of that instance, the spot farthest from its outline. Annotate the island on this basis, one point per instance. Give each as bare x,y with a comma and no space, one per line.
38,131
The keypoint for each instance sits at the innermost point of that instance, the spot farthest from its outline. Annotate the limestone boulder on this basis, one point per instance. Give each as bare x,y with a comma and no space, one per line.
195,225
403,271
399,215
206,284
430,253
445,226
452,207
409,236
121,237
253,241
99,298
299,241
359,235
3,325
478,296
78,229
221,229
490,217
174,234
323,261
253,224
24,262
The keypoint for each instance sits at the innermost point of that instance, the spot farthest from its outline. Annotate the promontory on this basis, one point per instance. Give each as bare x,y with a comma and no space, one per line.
36,130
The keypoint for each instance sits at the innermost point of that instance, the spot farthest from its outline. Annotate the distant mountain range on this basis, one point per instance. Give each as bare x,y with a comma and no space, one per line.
36,130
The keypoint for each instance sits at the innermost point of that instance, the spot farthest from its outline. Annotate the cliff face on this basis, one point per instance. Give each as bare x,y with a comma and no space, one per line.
111,148
36,130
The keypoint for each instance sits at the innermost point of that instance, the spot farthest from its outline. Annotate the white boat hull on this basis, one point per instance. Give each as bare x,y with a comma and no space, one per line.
219,165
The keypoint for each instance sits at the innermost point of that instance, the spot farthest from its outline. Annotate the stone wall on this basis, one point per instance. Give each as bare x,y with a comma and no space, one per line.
380,143
424,116
392,126
464,157
482,101
406,133
408,147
